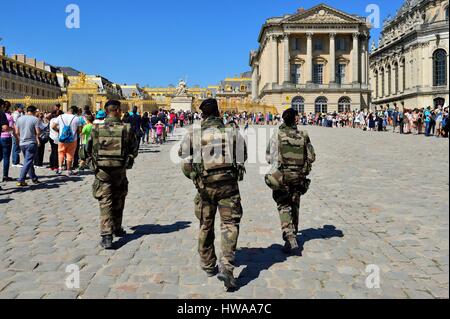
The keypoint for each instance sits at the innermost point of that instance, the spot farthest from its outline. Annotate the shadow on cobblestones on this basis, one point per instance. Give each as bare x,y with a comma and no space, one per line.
326,232
5,200
147,230
257,260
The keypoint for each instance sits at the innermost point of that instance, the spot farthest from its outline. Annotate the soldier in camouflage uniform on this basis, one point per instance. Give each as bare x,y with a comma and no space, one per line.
213,157
291,154
111,151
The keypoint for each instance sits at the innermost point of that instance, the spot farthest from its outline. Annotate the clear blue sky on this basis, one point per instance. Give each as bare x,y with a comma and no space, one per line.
152,42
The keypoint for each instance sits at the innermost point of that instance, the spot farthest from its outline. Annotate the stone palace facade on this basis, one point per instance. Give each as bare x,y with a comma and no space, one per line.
410,67
316,60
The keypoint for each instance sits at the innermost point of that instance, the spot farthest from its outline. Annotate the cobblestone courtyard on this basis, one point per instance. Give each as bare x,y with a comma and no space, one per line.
376,199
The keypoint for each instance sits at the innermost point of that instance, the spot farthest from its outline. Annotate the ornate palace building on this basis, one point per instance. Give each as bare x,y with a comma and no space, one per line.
410,66
315,60
230,92
22,76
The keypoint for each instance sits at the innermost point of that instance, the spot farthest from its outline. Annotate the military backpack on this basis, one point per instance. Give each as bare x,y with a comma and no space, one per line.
292,148
109,144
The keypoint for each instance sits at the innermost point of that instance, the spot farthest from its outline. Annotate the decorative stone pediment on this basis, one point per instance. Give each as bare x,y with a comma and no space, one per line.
322,14
297,60
320,60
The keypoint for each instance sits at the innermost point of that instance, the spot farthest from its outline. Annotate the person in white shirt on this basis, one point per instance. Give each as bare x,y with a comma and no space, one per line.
67,146
54,141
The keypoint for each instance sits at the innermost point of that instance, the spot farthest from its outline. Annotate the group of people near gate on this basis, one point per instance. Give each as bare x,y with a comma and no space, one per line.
427,121
28,132
154,127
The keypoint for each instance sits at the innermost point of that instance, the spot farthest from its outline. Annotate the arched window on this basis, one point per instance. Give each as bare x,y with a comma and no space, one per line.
440,68
321,105
344,104
382,82
298,104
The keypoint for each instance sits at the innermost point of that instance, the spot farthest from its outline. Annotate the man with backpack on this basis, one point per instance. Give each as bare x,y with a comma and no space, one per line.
111,150
68,125
291,155
216,177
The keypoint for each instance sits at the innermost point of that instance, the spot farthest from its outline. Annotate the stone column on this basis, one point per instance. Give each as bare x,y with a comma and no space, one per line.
309,57
401,85
255,83
287,59
355,58
332,58
274,59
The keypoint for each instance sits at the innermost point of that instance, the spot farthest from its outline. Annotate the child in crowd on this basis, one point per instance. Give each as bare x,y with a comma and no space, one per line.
159,132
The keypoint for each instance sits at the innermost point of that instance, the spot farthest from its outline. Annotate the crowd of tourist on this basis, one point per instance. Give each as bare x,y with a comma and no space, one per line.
26,133
427,121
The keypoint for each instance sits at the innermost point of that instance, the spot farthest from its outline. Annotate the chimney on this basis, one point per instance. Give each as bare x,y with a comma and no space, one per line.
19,57
31,61
40,65
2,51
301,10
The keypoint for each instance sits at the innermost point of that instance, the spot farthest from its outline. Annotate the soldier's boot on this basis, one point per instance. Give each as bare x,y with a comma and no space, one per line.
291,246
120,232
107,242
211,272
227,277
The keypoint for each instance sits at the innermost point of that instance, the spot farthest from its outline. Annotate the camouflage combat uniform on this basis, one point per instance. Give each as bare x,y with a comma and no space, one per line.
291,154
217,187
110,186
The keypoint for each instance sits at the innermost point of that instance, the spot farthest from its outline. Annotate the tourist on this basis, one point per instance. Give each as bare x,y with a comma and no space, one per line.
101,116
27,132
68,126
16,148
145,126
54,141
6,140
85,136
44,126
153,121
160,128
135,122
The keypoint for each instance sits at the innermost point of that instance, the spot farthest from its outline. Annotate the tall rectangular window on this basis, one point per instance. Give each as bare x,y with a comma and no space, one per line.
340,74
295,73
296,44
340,44
318,45
318,73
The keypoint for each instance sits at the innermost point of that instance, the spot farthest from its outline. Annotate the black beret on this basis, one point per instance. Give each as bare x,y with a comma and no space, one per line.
289,116
209,107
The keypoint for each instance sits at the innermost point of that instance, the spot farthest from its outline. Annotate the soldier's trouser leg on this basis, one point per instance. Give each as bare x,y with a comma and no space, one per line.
296,210
231,214
205,211
103,192
120,194
284,201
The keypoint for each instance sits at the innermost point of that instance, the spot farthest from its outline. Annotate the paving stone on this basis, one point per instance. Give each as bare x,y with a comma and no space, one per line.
344,228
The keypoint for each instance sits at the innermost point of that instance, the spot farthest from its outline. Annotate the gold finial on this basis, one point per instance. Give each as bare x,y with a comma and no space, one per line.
82,78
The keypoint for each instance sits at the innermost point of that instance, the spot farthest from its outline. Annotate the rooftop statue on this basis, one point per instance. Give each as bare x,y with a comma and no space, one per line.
182,88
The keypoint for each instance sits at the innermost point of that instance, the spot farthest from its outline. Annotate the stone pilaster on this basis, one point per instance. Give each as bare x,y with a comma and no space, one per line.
332,62
255,88
309,57
355,58
287,59
275,59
